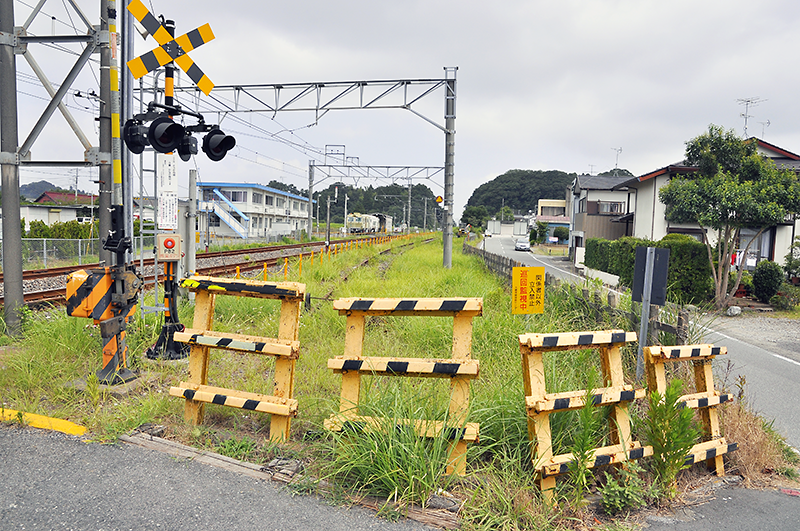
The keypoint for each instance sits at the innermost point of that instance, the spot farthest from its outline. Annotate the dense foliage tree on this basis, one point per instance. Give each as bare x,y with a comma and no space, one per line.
521,189
562,233
390,200
734,188
477,216
505,214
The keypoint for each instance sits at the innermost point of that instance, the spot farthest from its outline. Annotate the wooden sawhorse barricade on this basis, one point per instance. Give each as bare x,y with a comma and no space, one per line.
286,349
540,404
706,399
460,369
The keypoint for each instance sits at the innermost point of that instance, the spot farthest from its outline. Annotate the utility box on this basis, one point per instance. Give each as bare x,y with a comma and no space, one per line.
168,247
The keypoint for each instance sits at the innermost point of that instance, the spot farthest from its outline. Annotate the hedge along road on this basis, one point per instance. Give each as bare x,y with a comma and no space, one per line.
763,350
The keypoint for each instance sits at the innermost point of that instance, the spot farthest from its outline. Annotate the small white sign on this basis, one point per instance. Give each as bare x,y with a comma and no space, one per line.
167,173
168,211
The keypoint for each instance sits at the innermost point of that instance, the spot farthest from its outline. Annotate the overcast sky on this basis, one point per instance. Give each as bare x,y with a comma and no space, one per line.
540,85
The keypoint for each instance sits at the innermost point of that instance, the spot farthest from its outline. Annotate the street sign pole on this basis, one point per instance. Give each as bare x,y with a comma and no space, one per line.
646,293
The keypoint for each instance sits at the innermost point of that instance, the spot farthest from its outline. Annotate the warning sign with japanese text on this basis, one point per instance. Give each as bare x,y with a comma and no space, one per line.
527,290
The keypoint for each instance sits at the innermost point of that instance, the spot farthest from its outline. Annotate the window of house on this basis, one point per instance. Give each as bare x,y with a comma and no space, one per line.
258,198
279,202
582,205
608,207
268,200
303,207
295,205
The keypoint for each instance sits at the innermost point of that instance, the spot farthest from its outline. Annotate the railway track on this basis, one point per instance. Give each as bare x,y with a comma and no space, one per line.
57,296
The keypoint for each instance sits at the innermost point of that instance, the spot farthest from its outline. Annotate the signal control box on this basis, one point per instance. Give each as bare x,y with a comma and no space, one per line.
168,247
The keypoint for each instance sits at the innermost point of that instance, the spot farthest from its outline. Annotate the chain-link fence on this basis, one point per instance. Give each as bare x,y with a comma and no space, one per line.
38,253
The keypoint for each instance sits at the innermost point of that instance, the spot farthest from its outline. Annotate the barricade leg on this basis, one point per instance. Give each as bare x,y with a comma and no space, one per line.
198,355
620,425
704,380
283,385
351,381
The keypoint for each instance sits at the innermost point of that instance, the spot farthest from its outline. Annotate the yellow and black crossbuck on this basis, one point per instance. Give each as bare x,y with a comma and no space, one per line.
171,49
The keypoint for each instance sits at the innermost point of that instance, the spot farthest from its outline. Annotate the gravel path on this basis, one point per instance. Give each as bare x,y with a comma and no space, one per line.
776,334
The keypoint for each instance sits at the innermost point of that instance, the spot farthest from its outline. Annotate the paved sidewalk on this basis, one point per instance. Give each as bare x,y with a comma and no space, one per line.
55,481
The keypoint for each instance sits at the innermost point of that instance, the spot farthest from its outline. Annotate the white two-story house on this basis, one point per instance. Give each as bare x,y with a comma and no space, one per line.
249,211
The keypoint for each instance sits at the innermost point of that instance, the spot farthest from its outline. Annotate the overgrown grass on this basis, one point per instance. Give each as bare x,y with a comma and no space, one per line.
36,374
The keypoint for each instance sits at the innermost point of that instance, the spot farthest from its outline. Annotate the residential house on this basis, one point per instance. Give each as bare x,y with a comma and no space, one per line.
597,209
649,213
553,212
245,210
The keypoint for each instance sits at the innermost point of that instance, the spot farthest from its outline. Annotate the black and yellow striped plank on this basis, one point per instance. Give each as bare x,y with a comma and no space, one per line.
245,288
170,49
571,400
576,340
604,456
286,407
702,400
686,352
423,428
406,307
239,342
709,450
420,367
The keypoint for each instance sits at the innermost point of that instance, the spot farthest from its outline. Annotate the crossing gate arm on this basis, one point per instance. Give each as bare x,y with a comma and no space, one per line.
571,400
239,342
410,307
576,340
245,288
685,352
417,367
422,427
603,456
286,407
708,450
702,400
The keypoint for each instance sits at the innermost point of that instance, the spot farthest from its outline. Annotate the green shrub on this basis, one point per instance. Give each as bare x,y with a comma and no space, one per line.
625,490
562,233
623,258
767,278
689,279
671,431
597,254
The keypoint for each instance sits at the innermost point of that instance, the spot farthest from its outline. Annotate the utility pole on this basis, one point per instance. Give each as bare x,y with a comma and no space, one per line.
449,166
345,214
105,170
311,199
12,232
425,216
408,225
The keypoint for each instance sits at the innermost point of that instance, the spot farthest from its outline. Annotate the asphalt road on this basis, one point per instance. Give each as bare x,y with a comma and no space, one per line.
49,480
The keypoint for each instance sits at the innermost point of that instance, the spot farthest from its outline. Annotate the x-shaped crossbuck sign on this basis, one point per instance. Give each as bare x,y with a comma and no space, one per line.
171,49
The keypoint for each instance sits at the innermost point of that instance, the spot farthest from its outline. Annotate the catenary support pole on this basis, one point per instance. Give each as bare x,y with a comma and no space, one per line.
449,166
105,170
310,199
9,139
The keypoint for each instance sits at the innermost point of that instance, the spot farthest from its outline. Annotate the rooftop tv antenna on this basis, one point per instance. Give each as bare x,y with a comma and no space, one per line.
748,102
763,125
616,163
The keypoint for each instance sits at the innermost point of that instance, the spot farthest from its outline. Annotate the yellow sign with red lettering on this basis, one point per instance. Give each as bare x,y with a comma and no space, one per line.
527,290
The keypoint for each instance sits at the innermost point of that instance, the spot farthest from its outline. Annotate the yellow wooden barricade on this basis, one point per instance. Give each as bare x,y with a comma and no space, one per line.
460,368
706,399
540,404
285,349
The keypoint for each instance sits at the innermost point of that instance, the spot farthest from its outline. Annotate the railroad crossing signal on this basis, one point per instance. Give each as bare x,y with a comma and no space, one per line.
171,49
